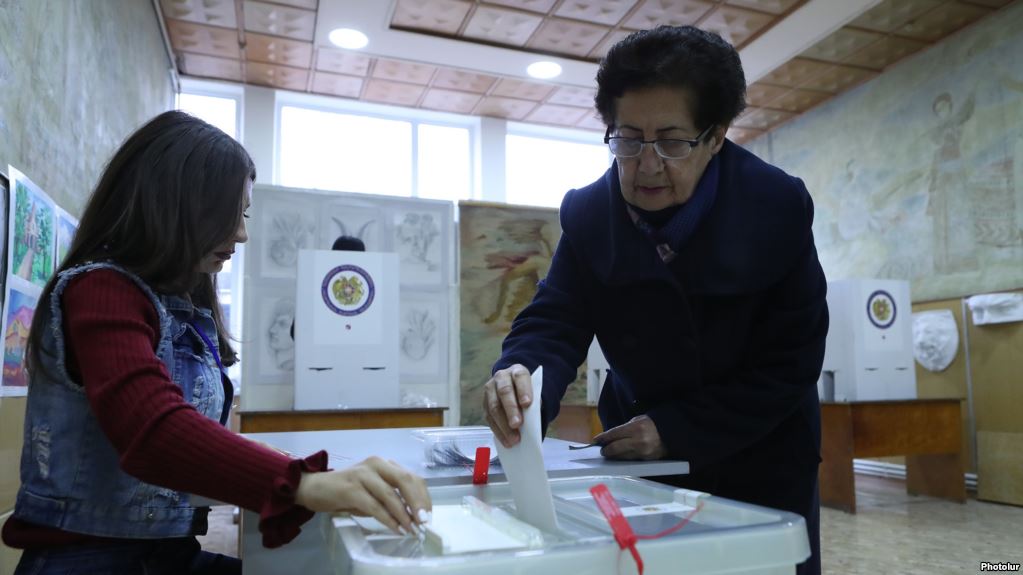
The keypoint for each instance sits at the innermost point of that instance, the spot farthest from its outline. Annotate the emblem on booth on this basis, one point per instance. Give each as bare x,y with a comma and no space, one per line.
348,290
881,309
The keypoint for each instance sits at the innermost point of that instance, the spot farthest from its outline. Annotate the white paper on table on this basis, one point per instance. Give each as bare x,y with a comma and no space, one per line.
523,466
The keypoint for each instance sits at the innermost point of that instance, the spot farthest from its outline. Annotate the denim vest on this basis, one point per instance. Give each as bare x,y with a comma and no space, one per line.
71,478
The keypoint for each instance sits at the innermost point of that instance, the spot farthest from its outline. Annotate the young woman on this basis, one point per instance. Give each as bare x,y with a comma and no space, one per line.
128,395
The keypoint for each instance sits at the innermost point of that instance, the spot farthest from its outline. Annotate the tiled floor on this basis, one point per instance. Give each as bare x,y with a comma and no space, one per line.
891,533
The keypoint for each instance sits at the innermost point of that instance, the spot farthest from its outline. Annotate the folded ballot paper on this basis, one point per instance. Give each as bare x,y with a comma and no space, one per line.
523,466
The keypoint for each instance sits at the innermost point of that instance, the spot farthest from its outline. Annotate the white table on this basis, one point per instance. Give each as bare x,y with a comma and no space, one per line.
306,555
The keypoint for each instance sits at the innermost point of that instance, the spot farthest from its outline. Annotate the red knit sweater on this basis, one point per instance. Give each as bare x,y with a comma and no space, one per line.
160,437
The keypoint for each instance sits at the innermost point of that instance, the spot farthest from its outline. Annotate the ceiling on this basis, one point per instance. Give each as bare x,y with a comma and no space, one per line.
470,56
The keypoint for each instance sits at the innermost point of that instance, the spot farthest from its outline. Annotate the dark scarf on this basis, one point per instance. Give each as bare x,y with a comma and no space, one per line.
671,236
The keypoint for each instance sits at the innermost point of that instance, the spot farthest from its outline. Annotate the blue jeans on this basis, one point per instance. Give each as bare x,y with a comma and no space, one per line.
134,557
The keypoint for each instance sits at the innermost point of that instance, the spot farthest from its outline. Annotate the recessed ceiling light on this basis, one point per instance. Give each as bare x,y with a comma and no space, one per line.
544,70
348,38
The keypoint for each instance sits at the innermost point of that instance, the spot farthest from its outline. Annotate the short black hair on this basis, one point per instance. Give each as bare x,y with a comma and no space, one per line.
680,57
348,244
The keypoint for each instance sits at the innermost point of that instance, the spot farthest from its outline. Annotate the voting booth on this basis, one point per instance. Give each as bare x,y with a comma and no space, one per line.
870,342
346,334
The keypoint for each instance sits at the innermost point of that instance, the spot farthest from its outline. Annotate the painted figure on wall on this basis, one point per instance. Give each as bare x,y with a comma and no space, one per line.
529,266
949,203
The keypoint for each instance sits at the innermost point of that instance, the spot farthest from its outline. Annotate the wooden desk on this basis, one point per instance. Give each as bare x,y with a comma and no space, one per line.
927,431
328,420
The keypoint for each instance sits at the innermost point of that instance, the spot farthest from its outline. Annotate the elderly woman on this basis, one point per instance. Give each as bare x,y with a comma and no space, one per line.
693,263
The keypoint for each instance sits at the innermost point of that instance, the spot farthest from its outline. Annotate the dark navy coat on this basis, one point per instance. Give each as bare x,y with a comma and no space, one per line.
722,347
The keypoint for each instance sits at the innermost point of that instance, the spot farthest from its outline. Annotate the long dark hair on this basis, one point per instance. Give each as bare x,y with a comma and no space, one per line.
172,193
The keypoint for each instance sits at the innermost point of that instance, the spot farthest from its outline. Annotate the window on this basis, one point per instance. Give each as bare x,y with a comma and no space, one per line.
220,105
394,156
444,162
539,170
220,111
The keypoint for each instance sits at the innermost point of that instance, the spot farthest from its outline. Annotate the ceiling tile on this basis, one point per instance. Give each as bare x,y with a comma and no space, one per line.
307,4
605,45
608,12
884,52
279,20
442,16
799,100
890,14
560,115
760,94
772,6
400,71
736,25
522,90
499,107
761,118
450,101
501,26
838,79
567,37
209,12
275,50
741,135
451,79
389,92
841,44
591,122
581,97
209,40
337,85
795,72
942,21
276,76
533,5
653,13
341,62
210,67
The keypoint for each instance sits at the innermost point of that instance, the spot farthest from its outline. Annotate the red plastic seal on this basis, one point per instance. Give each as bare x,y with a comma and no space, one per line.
482,466
623,533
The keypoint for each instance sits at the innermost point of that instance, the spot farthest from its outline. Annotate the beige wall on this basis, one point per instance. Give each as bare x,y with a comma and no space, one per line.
76,77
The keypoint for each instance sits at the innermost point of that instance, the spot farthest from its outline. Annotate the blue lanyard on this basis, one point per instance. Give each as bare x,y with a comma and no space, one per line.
209,345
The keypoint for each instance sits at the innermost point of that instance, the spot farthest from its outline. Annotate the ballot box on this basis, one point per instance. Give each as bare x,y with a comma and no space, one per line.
698,533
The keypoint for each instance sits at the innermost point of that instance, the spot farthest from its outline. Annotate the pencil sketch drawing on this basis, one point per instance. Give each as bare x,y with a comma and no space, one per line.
417,242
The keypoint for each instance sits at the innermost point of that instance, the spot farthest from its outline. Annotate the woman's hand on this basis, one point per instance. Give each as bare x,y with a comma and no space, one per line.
637,439
381,489
504,397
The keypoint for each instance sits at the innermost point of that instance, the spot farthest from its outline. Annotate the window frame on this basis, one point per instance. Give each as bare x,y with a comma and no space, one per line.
236,92
553,133
414,116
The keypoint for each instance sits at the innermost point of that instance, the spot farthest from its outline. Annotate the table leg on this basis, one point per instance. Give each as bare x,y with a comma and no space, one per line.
837,482
939,475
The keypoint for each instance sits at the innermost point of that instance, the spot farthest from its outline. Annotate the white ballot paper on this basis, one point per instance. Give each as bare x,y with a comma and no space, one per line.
523,466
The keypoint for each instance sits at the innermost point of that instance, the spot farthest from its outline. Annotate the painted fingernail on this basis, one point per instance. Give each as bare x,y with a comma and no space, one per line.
424,516
515,420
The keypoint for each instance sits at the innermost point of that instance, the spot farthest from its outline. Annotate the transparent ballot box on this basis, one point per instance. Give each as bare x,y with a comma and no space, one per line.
454,446
475,530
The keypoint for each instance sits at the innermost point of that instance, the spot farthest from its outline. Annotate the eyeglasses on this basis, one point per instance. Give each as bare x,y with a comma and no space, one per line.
667,148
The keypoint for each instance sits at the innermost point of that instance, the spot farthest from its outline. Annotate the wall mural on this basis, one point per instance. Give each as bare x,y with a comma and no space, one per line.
505,251
926,181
